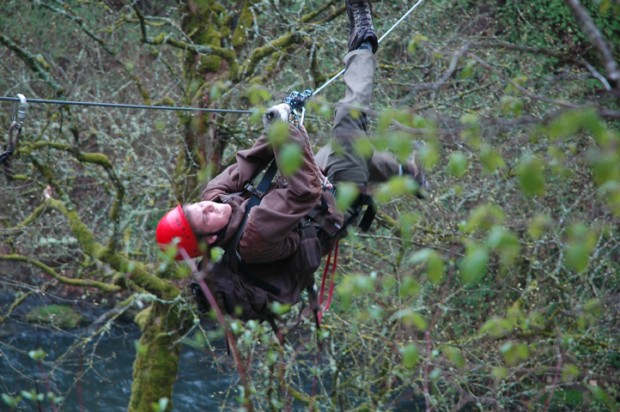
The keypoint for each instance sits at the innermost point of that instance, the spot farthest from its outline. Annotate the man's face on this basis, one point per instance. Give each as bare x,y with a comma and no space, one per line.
206,218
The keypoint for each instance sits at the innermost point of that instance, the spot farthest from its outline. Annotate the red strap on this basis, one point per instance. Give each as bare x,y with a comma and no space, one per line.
330,294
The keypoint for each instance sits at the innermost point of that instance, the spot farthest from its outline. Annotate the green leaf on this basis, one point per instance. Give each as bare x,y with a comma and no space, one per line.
484,217
496,327
468,70
278,134
161,406
258,95
409,287
346,195
594,307
291,159
407,223
454,355
505,243
471,131
569,372
514,352
410,355
601,396
11,401
428,154
364,147
499,373
457,165
280,308
530,171
410,318
512,106
396,186
580,244
491,159
140,348
473,266
415,42
538,226
37,355
435,267
605,166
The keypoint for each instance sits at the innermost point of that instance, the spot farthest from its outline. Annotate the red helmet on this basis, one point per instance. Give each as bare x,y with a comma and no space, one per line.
173,225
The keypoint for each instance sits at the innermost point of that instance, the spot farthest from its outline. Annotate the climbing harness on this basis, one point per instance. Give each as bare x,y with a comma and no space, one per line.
15,129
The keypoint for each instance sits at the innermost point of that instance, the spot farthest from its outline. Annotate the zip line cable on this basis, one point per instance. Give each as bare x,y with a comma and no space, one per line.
330,81
195,109
127,106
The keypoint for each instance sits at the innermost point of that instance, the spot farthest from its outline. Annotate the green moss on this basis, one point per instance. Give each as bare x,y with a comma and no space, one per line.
142,317
157,356
60,316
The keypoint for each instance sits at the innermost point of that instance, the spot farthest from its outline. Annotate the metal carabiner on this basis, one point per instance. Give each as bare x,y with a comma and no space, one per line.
19,115
297,103
15,129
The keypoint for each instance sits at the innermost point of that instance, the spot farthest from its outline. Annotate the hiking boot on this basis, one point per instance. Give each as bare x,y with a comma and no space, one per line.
416,172
360,24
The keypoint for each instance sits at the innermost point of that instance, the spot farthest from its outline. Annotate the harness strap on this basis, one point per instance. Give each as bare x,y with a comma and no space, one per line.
231,255
330,294
369,214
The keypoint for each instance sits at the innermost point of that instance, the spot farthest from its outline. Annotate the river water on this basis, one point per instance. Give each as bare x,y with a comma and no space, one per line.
98,376
106,368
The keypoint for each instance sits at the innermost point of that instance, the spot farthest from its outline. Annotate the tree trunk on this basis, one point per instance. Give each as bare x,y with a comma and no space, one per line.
157,357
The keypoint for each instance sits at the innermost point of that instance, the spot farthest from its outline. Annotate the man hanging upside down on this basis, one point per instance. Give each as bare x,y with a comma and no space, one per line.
273,250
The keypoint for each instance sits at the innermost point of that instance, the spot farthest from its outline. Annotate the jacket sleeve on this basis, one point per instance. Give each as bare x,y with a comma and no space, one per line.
270,230
234,178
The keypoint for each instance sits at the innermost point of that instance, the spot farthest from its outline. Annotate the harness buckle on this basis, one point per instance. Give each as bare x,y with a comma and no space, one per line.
253,190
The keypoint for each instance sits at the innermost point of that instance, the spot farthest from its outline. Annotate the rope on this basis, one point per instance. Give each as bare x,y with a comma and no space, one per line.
330,81
126,106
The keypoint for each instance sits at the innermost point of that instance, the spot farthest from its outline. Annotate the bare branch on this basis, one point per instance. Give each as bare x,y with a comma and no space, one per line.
598,41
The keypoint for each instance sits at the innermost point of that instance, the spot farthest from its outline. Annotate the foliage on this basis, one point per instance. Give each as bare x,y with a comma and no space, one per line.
521,22
499,292
60,316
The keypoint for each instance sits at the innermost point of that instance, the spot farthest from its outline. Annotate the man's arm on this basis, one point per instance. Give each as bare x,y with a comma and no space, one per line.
234,178
270,230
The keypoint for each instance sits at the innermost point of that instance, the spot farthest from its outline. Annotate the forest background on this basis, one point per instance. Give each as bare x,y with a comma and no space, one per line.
501,291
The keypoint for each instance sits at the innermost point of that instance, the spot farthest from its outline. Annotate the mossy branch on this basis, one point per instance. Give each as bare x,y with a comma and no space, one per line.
80,23
135,270
18,301
288,39
106,287
96,158
284,41
165,38
36,63
36,213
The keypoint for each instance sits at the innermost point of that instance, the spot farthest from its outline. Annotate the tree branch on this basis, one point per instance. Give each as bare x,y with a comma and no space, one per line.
106,287
35,63
598,41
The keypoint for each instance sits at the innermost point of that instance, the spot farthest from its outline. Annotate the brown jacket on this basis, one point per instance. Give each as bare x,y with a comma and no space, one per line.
271,237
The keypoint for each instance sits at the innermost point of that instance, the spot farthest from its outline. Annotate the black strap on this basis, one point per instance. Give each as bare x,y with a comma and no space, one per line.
231,255
369,215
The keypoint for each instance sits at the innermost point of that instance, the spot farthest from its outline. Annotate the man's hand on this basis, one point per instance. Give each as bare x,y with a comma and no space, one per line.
279,112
